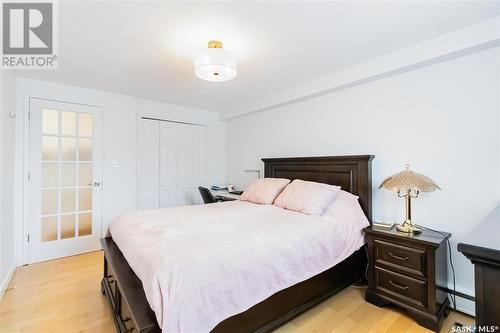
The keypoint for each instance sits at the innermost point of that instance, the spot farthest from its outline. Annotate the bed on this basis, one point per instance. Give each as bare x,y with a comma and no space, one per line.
126,293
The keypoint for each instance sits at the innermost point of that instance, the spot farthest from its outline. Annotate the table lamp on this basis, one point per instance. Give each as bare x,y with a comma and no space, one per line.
408,184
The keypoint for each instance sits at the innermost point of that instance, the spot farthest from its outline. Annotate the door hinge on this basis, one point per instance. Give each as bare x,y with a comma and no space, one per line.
29,175
28,238
29,115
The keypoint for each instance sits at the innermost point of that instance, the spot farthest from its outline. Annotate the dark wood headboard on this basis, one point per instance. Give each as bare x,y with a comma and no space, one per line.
352,173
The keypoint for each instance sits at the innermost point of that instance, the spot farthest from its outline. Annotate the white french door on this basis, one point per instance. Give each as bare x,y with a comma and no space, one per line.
171,164
65,179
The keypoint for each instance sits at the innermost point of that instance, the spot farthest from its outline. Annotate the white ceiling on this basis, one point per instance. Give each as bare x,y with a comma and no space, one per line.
146,49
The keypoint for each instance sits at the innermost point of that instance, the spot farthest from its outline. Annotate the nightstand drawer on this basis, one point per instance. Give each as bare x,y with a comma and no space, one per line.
404,288
401,257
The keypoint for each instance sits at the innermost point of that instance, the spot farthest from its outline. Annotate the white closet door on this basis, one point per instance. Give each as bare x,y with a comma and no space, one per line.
168,163
191,163
172,163
149,164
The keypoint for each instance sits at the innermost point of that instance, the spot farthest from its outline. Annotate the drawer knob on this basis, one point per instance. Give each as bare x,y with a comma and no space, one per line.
397,257
397,285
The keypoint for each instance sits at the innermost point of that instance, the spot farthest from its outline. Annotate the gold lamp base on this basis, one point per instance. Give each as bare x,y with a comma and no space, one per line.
408,228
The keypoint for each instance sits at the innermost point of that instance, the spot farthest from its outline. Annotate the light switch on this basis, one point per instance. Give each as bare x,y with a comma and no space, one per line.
114,163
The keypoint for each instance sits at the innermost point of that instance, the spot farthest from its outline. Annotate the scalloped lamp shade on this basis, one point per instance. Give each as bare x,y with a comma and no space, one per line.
408,180
215,64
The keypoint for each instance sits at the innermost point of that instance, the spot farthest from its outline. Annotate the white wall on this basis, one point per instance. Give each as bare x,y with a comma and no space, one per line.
7,138
442,119
119,118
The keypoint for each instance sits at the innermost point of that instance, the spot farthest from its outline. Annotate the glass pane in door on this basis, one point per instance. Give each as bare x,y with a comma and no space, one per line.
85,200
49,228
85,124
67,173
49,202
85,224
68,223
50,148
68,200
68,147
85,150
50,122
85,174
68,123
50,174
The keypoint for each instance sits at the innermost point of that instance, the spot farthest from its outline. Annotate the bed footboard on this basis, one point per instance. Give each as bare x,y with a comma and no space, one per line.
125,294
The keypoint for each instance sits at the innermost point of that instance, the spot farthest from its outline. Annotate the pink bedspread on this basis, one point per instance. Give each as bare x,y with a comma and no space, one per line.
202,264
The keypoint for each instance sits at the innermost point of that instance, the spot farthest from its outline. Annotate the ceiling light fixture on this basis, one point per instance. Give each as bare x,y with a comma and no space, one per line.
215,64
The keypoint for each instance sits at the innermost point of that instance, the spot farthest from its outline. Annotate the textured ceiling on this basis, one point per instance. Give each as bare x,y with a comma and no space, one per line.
146,49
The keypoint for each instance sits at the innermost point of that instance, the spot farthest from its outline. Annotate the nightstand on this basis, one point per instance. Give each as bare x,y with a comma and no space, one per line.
405,270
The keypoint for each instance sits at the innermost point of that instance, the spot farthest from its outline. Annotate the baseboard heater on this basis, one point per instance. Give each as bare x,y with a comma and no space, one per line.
457,293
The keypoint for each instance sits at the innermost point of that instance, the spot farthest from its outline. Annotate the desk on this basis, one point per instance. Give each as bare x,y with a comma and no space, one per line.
226,195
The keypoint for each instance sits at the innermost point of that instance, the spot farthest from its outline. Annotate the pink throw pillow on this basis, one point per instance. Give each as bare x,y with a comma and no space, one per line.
307,197
265,190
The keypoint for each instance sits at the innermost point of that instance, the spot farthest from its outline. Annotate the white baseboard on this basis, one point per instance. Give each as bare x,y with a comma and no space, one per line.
464,305
466,311
6,280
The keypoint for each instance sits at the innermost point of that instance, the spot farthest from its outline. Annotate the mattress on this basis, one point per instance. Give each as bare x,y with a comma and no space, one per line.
200,265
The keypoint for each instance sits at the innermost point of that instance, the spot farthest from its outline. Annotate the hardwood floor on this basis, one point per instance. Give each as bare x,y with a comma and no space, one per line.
64,295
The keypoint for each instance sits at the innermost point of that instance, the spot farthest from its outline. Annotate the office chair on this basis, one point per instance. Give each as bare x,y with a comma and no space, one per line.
207,195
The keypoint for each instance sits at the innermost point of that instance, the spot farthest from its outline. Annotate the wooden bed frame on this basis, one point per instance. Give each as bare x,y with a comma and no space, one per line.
131,310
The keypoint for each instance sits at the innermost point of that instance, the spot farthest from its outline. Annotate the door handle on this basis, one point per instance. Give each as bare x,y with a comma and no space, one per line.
95,184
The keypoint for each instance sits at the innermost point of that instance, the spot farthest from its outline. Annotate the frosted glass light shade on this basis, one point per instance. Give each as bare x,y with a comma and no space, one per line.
215,64
408,181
